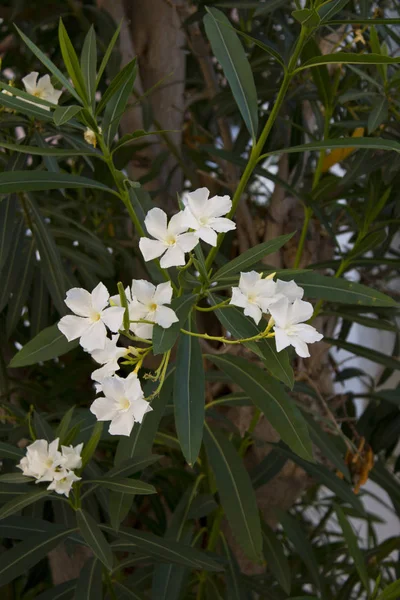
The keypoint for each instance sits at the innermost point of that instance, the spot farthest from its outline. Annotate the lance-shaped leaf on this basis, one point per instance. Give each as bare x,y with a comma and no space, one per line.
88,63
270,397
33,181
353,547
189,394
346,58
164,339
94,537
71,62
13,452
236,493
365,352
125,485
116,84
17,504
48,344
229,51
276,559
63,114
89,585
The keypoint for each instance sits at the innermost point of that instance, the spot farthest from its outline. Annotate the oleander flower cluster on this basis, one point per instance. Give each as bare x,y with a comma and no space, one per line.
45,462
99,320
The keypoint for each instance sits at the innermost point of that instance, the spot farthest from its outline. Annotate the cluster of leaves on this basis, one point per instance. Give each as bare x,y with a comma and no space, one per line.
63,224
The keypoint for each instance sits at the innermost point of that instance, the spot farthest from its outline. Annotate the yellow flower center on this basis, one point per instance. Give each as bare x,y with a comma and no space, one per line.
170,240
38,93
152,307
203,220
95,317
49,463
124,404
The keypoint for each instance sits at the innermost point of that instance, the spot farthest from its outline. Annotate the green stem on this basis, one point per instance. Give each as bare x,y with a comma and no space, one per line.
215,307
257,149
216,338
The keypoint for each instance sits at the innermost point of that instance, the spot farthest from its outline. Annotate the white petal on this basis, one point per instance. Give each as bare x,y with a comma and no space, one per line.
143,330
106,370
253,311
113,388
208,235
29,82
80,302
307,333
137,311
45,85
103,409
111,351
54,97
165,316
190,220
248,280
290,289
94,337
133,389
218,206
187,241
151,249
163,293
156,223
282,340
222,225
300,311
174,257
100,297
73,327
300,347
280,312
113,317
140,407
197,201
122,424
143,291
177,224
238,298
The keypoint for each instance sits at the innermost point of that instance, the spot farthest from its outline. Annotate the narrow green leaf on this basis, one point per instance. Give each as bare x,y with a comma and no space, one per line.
326,444
94,537
349,58
13,265
25,555
107,54
125,592
90,447
276,559
132,465
265,47
234,584
31,181
189,394
329,9
353,547
369,242
63,114
62,591
116,84
391,592
15,478
18,504
20,528
42,427
49,150
378,114
365,352
71,62
229,51
49,343
124,485
62,429
270,397
24,107
48,64
116,107
270,466
251,256
164,339
370,143
338,290
21,292
131,540
89,585
88,64
8,451
8,213
236,492
319,74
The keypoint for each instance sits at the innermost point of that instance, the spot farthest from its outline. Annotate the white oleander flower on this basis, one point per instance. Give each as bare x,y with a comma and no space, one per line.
92,317
41,460
108,357
205,215
290,329
171,240
63,481
289,289
72,456
41,88
123,404
254,294
148,303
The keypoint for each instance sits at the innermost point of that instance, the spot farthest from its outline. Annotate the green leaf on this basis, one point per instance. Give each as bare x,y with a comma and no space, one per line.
251,256
370,241
49,343
338,290
270,397
14,478
20,528
8,451
125,592
236,492
329,9
325,443
349,58
88,64
270,466
164,339
132,465
8,213
266,48
277,363
378,114
170,551
22,106
62,591
63,114
13,264
94,537
229,51
20,294
49,150
124,486
276,559
118,81
62,429
234,584
18,504
42,427
320,74
32,181
371,143
307,17
107,54
25,555
116,107
48,64
189,394
391,592
90,447
71,62
302,545
89,585
365,352
353,547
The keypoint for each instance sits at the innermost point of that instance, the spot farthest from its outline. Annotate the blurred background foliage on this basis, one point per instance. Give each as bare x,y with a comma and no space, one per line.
352,209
